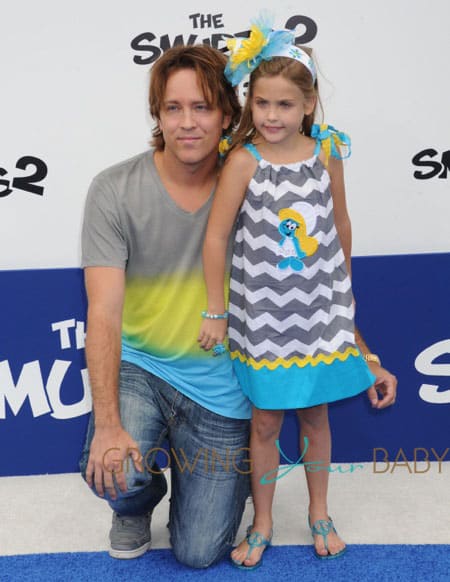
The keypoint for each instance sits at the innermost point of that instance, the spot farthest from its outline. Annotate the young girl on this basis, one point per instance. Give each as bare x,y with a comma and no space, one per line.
291,331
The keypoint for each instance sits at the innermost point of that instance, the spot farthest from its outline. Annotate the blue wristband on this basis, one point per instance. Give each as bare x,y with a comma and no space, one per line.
207,315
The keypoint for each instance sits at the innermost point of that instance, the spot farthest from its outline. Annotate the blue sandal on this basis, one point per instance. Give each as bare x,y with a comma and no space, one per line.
322,527
254,540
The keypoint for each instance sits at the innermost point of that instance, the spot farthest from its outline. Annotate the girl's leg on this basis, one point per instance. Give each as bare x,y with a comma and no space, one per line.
315,426
265,429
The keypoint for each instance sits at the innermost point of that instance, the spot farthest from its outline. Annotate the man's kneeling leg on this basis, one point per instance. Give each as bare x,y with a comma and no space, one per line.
210,485
142,419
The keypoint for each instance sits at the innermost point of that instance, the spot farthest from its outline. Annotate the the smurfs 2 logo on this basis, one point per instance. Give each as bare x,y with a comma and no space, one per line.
26,182
425,364
45,397
148,46
433,163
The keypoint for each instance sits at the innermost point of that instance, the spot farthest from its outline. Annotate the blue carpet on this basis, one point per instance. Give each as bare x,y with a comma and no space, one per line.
362,563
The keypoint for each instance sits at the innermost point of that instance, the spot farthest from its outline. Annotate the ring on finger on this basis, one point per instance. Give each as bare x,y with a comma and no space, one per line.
219,349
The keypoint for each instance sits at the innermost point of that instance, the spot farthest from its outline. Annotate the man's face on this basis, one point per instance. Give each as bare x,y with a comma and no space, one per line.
191,129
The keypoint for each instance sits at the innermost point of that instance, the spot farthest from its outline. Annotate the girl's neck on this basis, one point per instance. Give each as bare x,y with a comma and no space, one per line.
286,152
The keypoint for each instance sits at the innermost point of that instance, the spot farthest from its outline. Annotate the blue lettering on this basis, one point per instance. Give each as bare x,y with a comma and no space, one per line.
310,466
265,479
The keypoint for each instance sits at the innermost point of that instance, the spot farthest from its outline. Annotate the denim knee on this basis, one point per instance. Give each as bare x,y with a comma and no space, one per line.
194,556
141,498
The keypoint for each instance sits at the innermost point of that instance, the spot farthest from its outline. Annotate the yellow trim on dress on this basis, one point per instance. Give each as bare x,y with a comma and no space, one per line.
301,362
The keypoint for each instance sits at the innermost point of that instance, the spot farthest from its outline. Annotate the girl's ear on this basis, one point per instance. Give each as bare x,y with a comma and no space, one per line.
310,103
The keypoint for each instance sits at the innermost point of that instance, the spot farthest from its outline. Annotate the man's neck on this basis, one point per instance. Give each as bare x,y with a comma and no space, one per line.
172,170
189,185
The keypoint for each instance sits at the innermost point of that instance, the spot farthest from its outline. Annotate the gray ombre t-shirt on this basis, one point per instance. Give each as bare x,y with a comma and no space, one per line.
131,222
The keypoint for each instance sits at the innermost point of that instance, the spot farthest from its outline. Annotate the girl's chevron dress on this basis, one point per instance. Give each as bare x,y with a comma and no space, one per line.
291,330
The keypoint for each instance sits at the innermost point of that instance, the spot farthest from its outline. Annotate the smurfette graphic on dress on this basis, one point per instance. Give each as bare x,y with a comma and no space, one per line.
295,243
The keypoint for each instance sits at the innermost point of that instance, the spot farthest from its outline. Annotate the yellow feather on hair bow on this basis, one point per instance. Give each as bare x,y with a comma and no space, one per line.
250,47
231,44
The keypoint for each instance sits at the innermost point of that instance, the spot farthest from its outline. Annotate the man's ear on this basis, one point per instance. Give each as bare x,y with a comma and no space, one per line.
226,121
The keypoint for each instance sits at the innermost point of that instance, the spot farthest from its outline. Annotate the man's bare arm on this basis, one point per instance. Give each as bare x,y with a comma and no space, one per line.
111,444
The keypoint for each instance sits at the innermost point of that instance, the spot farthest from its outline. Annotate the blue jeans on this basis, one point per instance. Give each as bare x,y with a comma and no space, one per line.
208,456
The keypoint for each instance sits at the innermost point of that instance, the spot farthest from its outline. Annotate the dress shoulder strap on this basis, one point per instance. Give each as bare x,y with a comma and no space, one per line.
333,142
252,149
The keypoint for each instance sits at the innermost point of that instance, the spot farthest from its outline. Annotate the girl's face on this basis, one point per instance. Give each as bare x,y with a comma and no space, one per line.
278,108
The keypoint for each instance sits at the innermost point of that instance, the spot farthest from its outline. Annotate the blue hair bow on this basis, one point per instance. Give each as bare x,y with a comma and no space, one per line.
330,139
262,45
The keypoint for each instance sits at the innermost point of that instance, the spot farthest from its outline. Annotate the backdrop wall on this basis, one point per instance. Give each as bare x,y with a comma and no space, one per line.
74,87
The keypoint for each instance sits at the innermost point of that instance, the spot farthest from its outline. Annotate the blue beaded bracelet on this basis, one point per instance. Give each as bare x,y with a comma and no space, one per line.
207,315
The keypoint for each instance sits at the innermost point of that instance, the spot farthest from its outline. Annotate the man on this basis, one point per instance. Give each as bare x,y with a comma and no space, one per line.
144,224
142,237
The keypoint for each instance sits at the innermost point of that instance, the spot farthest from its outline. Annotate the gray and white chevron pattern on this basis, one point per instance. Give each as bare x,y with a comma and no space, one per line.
282,313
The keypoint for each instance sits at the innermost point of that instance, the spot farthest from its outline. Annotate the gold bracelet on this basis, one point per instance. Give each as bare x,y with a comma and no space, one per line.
372,358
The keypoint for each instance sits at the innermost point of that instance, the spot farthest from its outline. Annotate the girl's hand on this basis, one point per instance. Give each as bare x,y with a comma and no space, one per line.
212,332
384,390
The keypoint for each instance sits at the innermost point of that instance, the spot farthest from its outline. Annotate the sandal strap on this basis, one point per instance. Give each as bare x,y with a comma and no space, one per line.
322,527
256,540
